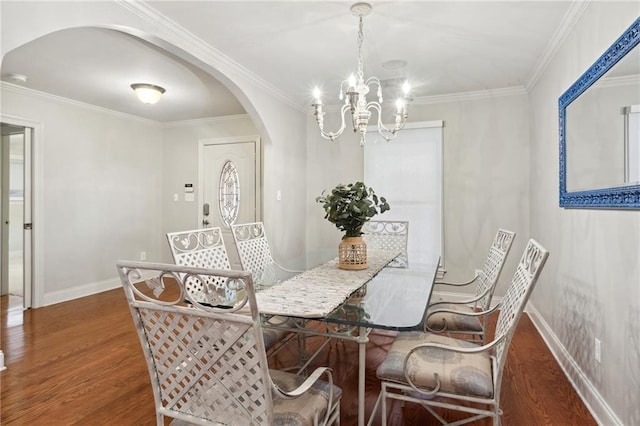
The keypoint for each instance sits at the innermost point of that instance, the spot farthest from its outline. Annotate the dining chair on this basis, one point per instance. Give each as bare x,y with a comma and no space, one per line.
466,317
440,371
208,364
388,235
255,253
200,248
205,248
255,257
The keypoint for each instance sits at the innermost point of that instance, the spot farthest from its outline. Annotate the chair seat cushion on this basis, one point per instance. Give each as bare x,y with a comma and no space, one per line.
462,374
302,410
454,322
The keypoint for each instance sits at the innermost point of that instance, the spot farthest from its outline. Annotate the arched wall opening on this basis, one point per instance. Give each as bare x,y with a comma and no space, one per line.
280,148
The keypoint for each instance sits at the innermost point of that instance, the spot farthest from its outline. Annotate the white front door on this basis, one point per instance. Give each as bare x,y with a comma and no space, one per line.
229,186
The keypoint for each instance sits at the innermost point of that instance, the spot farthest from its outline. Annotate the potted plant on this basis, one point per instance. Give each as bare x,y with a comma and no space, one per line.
349,207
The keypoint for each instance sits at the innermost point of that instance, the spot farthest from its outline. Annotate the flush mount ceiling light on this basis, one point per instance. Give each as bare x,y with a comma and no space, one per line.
148,93
357,89
17,78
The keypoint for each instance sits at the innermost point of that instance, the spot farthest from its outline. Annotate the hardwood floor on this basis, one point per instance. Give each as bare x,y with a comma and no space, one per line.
80,363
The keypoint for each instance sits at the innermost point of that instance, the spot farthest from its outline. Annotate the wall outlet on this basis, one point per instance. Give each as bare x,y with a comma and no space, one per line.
143,255
597,351
478,272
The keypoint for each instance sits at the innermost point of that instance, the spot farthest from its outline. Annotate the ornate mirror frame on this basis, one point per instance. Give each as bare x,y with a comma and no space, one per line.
620,197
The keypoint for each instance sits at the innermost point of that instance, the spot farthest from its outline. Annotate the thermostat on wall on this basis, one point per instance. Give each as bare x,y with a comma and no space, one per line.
188,187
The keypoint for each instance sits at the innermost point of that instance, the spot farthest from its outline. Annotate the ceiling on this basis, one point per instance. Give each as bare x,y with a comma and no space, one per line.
450,47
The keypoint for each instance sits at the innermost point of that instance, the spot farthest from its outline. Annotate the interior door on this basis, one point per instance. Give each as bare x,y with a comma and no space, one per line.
16,214
229,186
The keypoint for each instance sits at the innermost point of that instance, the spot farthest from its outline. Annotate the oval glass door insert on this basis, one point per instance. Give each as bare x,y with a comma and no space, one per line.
229,194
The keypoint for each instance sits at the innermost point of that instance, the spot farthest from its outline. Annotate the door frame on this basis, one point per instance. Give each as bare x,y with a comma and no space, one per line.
37,167
255,139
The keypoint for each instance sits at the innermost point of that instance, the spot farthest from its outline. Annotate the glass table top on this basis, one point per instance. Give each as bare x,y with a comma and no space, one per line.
395,299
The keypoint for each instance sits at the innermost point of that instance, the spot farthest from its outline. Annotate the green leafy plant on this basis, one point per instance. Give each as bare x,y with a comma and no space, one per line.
350,206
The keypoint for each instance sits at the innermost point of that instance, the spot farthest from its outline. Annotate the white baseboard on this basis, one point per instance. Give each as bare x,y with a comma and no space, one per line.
58,296
601,411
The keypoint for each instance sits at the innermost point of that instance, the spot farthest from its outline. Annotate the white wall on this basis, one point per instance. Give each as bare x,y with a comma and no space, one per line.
590,287
100,186
486,180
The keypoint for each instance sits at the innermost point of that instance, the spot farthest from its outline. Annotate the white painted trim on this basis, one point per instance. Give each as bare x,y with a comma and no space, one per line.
202,50
89,289
576,9
420,125
439,99
199,121
469,96
600,410
59,99
37,217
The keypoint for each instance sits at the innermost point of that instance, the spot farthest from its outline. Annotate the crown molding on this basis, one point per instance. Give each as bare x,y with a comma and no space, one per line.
569,21
451,97
202,50
24,91
201,121
471,96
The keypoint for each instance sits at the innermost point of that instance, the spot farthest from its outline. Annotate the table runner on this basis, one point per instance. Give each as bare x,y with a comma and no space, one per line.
317,292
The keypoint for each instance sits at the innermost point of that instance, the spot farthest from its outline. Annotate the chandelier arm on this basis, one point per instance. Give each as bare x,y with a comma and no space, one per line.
333,135
383,130
376,81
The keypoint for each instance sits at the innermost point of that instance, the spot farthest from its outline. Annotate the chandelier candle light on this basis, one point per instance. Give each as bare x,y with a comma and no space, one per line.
357,89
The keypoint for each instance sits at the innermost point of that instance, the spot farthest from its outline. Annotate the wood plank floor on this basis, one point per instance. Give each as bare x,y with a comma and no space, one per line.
80,363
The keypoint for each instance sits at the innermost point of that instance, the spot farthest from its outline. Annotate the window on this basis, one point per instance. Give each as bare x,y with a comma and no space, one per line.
408,172
229,194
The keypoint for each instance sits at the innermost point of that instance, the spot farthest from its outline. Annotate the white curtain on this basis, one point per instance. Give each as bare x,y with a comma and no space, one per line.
407,171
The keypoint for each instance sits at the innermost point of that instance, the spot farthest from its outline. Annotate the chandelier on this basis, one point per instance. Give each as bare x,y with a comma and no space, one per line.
356,89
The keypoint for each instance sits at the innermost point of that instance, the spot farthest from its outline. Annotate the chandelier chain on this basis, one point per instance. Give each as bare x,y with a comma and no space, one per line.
360,41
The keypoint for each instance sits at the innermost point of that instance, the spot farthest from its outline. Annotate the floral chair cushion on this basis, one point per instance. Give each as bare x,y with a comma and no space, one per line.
301,411
454,322
466,374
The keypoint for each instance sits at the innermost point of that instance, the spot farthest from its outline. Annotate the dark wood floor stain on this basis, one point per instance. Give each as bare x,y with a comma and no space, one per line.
80,363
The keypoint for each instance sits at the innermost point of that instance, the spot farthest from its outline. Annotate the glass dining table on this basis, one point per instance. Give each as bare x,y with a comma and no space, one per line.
351,303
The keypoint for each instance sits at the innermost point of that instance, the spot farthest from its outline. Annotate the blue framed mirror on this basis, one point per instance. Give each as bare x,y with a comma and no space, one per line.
599,119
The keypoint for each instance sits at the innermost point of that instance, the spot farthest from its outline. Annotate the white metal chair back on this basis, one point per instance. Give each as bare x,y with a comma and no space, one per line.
205,362
200,248
492,267
388,235
514,301
208,365
254,251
